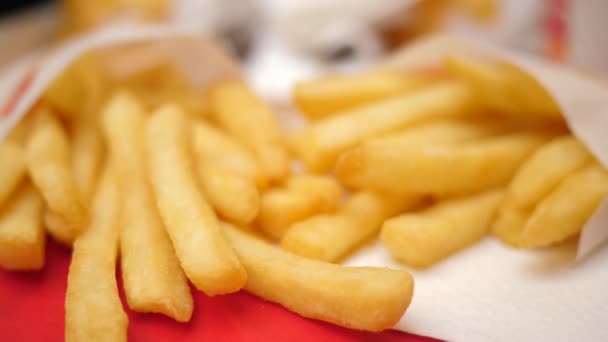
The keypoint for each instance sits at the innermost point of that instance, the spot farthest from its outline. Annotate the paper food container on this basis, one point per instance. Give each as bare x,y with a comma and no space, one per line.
486,292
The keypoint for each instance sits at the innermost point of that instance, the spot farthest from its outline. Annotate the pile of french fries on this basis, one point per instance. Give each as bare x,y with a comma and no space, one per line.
179,186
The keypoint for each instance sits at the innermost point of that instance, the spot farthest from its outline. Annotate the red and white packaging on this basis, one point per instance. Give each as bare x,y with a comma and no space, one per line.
487,292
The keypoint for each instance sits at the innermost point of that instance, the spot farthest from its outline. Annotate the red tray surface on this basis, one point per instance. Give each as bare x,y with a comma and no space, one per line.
31,309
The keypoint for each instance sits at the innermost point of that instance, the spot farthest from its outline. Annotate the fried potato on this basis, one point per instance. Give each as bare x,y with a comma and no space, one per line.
249,120
93,310
234,197
438,169
22,237
319,145
86,156
324,188
212,145
444,131
540,174
69,92
49,168
328,95
205,255
565,210
12,170
505,88
152,277
331,237
424,238
282,207
363,298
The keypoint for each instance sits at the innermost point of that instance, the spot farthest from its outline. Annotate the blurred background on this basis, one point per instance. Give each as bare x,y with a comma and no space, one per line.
279,42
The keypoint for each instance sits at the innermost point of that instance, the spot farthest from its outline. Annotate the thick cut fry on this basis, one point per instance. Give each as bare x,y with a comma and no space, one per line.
249,120
328,95
12,168
548,166
87,156
438,169
93,310
69,92
444,131
49,167
22,236
152,277
324,188
214,146
505,88
319,145
331,237
422,239
364,298
233,196
280,208
565,210
205,255
540,174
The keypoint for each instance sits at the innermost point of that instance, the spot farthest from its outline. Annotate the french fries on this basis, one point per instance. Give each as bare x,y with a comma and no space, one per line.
303,197
540,174
233,196
565,210
444,131
152,277
86,156
363,298
13,168
319,145
93,311
438,169
212,146
252,122
422,239
328,95
203,252
22,237
49,168
505,88
331,237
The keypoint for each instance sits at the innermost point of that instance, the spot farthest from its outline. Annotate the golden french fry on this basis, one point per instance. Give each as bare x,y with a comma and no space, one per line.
319,145
363,298
205,255
444,131
534,180
331,94
93,310
152,277
549,164
565,210
233,196
49,167
87,156
325,188
12,169
249,120
82,80
280,208
438,169
505,88
211,145
422,239
22,237
330,237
